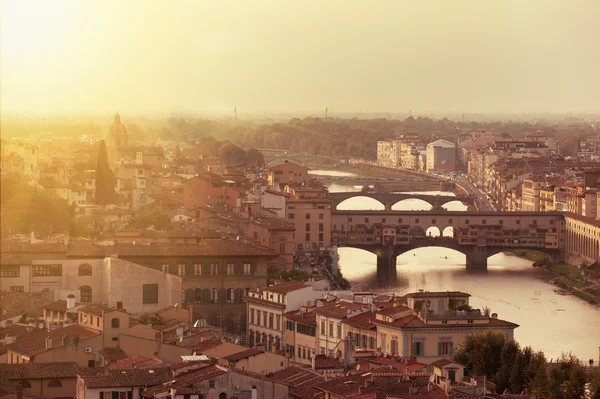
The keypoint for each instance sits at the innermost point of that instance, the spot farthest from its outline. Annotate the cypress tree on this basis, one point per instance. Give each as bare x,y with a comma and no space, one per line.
105,187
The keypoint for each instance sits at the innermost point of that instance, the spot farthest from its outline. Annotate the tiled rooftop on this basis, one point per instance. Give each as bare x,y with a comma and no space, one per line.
126,378
34,342
300,381
29,371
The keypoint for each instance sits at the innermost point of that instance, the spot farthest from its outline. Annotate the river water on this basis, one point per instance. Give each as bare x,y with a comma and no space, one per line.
511,287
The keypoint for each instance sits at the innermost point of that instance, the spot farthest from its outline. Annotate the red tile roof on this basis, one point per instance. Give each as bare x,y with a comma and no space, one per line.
442,362
99,310
31,371
363,321
325,362
186,380
128,378
136,362
339,309
57,306
300,381
234,357
287,287
34,342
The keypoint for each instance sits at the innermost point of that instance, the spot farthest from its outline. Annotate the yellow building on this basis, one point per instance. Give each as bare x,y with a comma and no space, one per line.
429,327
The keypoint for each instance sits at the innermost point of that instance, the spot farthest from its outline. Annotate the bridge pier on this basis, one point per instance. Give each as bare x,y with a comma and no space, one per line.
477,257
386,261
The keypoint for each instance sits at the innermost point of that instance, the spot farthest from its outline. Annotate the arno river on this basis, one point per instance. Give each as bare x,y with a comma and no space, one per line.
511,287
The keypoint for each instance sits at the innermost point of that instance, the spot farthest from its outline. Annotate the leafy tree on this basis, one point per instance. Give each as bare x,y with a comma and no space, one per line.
296,275
508,355
595,385
160,221
481,353
105,182
230,153
254,157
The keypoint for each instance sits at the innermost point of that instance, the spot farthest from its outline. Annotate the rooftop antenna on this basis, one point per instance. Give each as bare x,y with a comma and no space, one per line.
235,112
326,111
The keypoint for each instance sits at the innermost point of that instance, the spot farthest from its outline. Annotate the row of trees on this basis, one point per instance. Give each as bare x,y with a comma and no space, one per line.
517,370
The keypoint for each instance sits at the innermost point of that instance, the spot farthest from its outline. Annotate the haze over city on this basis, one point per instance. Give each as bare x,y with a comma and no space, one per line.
142,57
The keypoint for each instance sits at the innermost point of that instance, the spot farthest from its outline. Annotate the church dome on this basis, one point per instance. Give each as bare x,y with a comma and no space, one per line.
118,129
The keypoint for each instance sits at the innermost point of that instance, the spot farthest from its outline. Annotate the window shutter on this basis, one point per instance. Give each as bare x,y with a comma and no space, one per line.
205,270
414,349
115,395
206,295
439,348
238,268
101,395
253,269
222,295
129,394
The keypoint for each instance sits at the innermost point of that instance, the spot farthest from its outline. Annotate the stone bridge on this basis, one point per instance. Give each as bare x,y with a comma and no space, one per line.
478,235
388,200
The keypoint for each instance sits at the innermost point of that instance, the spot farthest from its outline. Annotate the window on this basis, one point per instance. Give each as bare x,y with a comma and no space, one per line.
46,270
214,269
320,236
230,295
211,384
470,321
91,363
308,215
466,221
291,216
366,220
247,269
165,268
500,222
180,270
320,226
281,248
445,348
270,320
400,220
277,322
320,216
331,328
323,332
25,384
518,221
17,288
416,220
289,325
54,384
115,323
433,220
85,269
230,269
350,220
418,348
10,271
214,295
251,316
339,330
307,239
307,227
483,221
85,294
150,293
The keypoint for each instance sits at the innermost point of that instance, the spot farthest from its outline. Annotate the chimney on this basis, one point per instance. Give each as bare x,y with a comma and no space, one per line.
70,301
48,342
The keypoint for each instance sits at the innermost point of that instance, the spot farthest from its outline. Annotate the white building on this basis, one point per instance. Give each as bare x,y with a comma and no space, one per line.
441,156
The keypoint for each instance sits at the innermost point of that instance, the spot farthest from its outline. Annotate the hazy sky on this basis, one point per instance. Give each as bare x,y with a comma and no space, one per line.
143,56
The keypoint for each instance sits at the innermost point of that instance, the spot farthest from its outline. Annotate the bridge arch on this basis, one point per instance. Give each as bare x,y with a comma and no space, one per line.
412,204
433,231
358,201
455,205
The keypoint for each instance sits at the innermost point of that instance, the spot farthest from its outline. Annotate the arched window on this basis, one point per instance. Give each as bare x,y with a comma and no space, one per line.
115,323
197,295
230,295
54,384
25,384
214,295
222,395
85,294
85,269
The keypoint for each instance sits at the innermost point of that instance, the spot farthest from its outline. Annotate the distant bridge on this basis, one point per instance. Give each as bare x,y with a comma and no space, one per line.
478,235
388,200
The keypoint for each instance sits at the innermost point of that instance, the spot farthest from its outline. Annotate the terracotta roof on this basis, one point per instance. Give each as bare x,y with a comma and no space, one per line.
98,310
234,357
208,247
113,354
11,246
13,331
57,306
437,294
186,380
363,321
285,288
415,322
128,378
300,381
442,362
34,342
339,309
265,301
393,310
30,371
308,318
325,362
136,362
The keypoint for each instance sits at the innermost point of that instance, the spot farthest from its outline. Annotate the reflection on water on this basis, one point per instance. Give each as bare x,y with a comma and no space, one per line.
510,287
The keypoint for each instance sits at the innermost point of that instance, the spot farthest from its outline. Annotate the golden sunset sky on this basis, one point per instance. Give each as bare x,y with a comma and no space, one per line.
150,56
